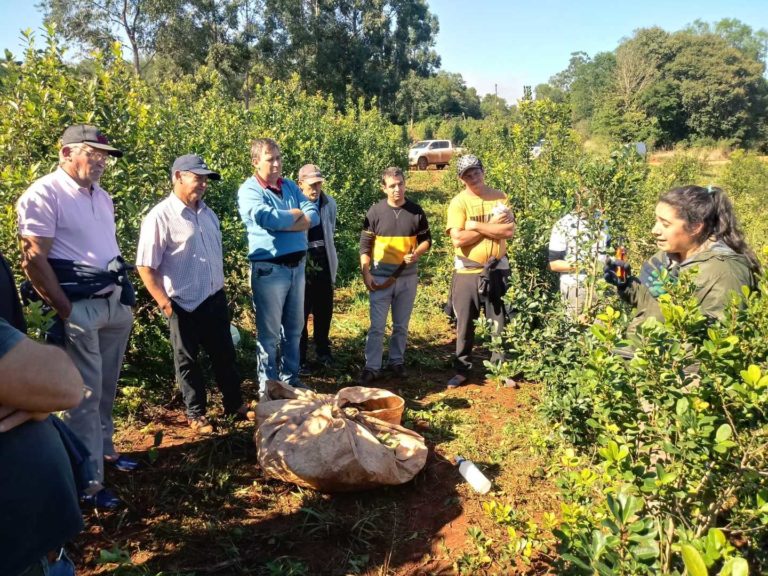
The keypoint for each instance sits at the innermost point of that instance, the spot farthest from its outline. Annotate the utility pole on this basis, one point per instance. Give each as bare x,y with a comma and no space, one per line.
247,91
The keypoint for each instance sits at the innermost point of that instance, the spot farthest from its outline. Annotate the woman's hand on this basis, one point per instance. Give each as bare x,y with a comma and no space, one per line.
617,272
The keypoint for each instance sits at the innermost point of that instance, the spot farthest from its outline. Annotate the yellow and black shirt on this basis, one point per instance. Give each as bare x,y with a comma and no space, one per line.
390,233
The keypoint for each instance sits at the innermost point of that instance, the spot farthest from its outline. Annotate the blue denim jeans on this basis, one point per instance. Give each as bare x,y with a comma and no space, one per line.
278,300
400,298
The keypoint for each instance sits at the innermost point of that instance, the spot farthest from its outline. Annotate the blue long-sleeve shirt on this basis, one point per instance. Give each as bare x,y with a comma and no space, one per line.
267,218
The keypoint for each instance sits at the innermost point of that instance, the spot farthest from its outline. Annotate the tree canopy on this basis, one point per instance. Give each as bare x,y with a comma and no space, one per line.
703,83
347,49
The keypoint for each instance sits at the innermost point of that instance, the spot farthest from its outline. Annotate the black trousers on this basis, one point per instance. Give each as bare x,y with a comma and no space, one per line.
467,304
318,301
206,326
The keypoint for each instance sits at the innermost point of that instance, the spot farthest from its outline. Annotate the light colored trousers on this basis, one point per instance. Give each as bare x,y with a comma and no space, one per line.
96,336
574,297
400,298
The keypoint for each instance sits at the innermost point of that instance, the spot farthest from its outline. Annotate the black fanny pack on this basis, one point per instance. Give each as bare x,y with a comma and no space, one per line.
494,281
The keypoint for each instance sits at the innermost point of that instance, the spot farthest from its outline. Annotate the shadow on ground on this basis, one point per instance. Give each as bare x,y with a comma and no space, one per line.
204,507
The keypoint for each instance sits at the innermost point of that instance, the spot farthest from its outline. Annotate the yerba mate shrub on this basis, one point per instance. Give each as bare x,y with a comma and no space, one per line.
42,94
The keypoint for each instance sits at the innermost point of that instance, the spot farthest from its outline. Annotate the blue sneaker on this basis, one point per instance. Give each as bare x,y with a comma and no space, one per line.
122,463
104,499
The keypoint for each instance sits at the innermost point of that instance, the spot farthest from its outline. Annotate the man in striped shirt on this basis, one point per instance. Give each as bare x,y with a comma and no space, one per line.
395,235
180,261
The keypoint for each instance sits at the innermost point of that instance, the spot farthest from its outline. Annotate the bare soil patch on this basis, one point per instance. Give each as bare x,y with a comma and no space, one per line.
203,506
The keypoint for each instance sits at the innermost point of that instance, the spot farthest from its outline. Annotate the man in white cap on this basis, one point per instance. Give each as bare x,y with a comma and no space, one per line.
181,262
70,254
322,265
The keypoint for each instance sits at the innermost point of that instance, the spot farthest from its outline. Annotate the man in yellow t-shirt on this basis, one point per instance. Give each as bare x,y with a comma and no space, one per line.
479,223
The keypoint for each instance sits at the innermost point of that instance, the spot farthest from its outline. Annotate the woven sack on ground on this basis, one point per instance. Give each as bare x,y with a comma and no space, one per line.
351,440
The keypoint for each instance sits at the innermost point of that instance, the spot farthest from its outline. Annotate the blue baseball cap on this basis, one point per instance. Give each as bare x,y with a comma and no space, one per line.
193,163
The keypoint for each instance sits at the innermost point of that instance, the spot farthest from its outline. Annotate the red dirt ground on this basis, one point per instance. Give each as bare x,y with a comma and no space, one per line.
204,507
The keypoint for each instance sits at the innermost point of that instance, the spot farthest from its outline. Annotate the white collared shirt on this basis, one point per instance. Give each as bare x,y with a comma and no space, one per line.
184,246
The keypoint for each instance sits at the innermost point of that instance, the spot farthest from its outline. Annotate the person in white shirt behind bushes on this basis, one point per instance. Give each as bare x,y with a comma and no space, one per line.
576,245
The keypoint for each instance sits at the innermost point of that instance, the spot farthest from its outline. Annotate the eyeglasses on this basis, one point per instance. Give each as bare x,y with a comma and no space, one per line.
92,154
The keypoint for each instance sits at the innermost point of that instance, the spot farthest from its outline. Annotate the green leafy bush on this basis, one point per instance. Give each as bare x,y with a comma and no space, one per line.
41,95
681,429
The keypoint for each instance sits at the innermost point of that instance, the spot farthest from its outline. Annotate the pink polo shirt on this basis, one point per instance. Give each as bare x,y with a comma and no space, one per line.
81,222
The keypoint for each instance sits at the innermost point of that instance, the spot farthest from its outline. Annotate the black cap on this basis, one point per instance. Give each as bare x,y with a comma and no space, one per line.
87,134
193,163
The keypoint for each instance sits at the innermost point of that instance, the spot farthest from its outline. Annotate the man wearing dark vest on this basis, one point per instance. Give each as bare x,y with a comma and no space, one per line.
322,265
67,226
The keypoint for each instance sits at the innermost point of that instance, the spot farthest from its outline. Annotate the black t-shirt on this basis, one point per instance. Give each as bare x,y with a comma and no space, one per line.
390,233
39,508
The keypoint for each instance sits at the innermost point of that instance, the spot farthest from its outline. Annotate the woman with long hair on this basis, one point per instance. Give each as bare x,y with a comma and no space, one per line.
695,228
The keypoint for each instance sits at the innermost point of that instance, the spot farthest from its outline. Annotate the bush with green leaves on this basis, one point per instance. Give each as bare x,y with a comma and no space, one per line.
41,95
680,433
745,178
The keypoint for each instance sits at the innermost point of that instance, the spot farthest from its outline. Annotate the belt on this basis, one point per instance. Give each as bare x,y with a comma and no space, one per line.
105,295
286,264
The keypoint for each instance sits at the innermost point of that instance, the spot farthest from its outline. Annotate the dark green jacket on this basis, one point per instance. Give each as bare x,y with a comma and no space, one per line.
720,272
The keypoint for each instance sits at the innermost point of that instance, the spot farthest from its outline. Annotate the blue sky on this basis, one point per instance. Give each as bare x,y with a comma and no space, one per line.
513,43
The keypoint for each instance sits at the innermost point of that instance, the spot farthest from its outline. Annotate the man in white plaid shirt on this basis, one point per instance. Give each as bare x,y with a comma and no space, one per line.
180,261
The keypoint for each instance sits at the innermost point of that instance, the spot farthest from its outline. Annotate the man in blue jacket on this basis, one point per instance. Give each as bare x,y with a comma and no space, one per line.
38,496
277,216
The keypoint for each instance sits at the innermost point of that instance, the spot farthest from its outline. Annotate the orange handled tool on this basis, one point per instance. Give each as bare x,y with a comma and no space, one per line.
621,271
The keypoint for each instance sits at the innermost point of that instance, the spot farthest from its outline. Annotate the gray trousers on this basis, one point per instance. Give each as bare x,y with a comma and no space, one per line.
96,336
574,296
399,297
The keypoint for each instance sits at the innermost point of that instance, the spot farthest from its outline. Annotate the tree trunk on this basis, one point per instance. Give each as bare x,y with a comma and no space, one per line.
131,34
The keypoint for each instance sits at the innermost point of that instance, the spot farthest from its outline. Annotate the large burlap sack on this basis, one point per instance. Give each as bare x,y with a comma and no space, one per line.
336,443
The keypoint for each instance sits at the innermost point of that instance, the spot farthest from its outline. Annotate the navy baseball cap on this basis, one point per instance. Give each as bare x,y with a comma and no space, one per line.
87,134
193,163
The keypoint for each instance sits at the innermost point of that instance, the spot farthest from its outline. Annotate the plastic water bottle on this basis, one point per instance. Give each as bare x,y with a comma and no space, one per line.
235,333
472,474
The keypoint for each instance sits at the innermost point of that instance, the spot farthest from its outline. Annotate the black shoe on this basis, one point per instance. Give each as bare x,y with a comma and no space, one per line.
305,370
326,360
366,377
399,370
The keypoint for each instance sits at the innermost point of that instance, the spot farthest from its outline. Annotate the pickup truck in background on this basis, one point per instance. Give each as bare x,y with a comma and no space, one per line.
432,152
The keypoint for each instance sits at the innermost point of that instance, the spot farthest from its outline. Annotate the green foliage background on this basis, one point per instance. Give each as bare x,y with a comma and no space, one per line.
40,96
615,488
